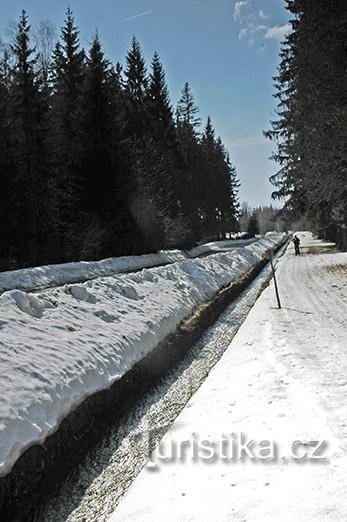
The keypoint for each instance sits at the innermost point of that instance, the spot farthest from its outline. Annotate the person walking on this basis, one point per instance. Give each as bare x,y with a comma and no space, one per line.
296,242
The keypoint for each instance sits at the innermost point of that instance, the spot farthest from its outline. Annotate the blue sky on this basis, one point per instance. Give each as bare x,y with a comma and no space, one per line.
226,49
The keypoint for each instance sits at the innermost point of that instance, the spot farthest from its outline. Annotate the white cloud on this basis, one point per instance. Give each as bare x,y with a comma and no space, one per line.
250,31
254,24
262,15
278,32
243,33
239,7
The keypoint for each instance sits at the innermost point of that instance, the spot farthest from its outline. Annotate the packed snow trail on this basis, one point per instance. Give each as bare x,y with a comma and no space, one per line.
282,379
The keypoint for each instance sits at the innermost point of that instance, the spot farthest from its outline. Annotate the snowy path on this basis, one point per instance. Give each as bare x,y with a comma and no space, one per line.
283,378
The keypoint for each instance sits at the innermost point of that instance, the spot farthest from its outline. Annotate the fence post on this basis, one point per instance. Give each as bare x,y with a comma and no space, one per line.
275,282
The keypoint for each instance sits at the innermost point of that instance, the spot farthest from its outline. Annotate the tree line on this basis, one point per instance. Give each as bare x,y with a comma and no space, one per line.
95,162
310,131
261,219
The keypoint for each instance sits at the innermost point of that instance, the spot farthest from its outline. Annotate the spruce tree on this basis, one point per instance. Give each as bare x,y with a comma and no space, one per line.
96,164
188,121
6,163
161,128
187,111
309,132
67,136
136,86
208,193
159,106
27,138
93,162
96,127
233,204
253,227
227,185
149,125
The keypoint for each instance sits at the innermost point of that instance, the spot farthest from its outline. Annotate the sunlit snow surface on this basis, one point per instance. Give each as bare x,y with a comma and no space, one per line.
60,345
283,378
55,275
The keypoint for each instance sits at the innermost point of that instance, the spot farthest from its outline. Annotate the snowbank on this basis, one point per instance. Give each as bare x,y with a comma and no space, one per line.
219,246
60,345
55,275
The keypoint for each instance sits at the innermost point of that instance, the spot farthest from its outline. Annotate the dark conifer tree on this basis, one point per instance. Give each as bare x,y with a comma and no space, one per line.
96,131
227,190
159,106
253,228
188,122
66,135
117,99
6,164
233,202
27,146
187,111
309,132
161,128
208,183
93,162
96,166
136,86
152,196
162,132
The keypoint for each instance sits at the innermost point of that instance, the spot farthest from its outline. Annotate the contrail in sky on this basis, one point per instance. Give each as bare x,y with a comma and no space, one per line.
136,16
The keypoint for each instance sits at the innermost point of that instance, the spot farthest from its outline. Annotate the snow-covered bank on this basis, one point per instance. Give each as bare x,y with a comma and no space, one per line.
283,379
61,345
220,246
56,275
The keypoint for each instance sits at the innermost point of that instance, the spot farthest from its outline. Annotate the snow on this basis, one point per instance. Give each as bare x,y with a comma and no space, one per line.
55,275
62,344
283,378
220,246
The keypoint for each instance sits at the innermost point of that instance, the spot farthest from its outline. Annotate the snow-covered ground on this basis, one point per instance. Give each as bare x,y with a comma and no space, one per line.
63,273
93,493
56,275
60,345
220,246
282,379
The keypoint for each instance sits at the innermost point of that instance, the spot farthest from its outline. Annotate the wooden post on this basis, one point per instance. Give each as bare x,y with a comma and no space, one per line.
275,281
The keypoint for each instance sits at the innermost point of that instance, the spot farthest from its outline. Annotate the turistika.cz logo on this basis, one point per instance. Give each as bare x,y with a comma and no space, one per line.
229,448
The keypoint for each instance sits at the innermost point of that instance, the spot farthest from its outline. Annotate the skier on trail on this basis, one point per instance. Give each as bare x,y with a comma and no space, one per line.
296,242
